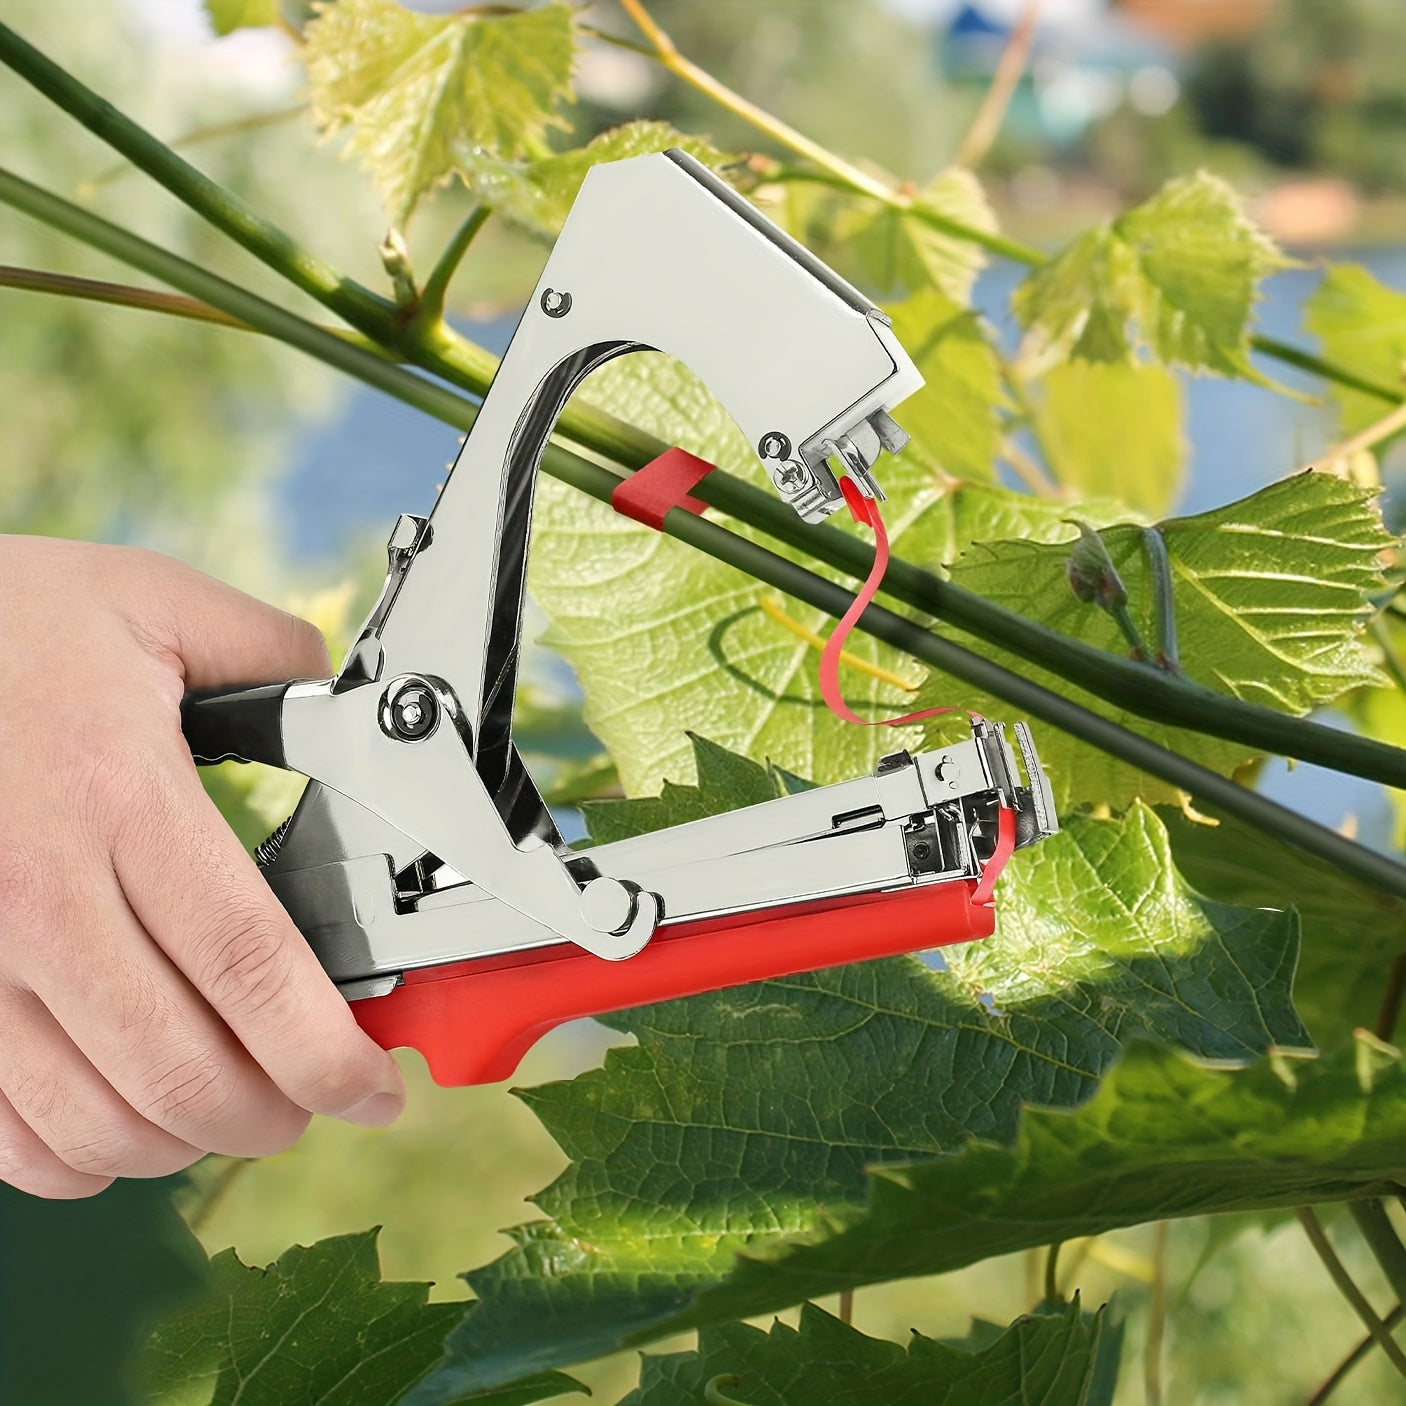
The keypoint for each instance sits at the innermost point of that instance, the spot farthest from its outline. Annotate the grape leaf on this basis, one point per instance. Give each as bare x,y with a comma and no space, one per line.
1271,597
1361,325
424,95
1162,1138
953,417
318,1327
81,1283
1114,430
726,781
228,15
666,640
902,254
754,1114
537,195
1351,933
1177,275
1049,1358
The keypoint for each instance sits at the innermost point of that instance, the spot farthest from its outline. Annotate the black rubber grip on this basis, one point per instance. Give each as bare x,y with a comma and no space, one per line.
245,725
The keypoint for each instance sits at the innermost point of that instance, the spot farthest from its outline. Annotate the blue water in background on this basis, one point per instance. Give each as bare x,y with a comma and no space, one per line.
349,478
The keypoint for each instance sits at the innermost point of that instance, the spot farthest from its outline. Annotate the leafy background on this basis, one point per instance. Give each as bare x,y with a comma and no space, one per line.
847,1127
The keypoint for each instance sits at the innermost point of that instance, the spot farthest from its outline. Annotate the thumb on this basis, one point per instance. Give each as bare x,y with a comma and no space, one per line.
219,635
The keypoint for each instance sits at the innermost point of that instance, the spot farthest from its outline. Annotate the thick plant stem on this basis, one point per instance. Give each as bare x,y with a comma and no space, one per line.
229,298
1145,691
1337,1271
376,316
349,299
1214,791
1141,689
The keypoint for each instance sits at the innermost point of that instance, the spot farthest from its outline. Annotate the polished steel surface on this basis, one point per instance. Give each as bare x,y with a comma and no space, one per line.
421,838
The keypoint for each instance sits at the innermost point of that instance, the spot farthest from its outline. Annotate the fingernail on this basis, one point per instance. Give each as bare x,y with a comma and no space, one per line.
376,1111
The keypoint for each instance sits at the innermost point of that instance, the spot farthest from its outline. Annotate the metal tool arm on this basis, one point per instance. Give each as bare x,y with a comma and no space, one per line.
656,253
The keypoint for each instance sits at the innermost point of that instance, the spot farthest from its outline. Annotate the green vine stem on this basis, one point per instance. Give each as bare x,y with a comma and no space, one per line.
1142,690
1154,1343
125,295
1376,1229
1213,791
95,290
431,307
349,299
1337,1271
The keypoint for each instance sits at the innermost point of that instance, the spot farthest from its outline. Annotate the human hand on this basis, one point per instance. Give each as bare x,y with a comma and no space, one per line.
156,1002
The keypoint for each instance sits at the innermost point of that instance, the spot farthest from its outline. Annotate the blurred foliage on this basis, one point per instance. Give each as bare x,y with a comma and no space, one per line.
1320,87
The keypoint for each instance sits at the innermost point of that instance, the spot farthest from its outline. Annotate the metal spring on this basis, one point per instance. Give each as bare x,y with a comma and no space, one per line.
267,850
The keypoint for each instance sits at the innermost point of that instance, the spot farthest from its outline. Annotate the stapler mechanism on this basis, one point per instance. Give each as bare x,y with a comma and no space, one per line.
422,864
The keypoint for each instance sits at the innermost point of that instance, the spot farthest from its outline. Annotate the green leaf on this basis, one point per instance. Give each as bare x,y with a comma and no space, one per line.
1161,1139
1114,430
426,96
666,640
228,15
726,781
1361,325
1351,933
953,418
538,194
318,1328
81,1283
749,1116
1045,1359
1177,275
902,254
1271,595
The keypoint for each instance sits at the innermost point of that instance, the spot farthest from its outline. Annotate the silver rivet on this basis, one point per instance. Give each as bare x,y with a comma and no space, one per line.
556,303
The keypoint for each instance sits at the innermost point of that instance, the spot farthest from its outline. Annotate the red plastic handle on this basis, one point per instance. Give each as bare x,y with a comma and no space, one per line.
474,1021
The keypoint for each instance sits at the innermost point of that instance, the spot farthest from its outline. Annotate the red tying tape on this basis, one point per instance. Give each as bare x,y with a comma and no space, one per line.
866,512
663,483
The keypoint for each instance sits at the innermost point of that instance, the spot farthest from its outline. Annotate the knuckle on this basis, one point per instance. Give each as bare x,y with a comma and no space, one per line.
247,963
18,1165
44,1175
104,1151
39,1096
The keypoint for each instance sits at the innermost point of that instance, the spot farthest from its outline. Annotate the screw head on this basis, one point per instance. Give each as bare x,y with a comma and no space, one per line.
791,476
774,445
555,302
409,711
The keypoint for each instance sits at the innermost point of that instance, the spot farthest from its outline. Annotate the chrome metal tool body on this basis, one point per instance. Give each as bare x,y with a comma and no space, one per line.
422,854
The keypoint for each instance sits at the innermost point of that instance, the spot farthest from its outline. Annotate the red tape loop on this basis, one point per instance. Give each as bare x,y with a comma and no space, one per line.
985,890
866,512
663,483
650,493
